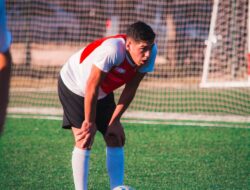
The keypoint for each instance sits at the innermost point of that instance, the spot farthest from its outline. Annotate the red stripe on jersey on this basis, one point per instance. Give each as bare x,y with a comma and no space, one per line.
118,76
92,46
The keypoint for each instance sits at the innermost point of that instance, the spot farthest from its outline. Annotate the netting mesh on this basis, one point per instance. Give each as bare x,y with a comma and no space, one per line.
46,33
228,60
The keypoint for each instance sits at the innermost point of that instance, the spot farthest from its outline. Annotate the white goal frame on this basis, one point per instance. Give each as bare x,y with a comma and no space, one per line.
211,39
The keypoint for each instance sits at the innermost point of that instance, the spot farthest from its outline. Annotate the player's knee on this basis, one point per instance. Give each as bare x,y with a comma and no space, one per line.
82,141
85,143
79,144
114,141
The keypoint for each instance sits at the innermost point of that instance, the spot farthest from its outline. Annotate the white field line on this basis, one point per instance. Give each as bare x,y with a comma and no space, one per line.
59,118
149,122
190,123
35,110
44,89
143,118
186,116
139,115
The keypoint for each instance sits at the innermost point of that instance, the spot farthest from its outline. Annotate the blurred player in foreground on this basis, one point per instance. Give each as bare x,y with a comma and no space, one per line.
85,89
5,65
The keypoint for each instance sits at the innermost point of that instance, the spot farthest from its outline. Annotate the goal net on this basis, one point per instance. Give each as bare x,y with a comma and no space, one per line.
193,50
226,62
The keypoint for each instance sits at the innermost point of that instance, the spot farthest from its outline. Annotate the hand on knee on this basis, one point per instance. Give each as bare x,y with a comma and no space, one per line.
115,136
84,137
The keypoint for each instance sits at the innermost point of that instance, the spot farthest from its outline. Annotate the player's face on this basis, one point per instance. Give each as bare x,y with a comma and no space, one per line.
139,51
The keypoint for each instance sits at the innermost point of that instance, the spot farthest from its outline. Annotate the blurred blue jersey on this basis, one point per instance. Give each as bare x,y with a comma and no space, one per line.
5,36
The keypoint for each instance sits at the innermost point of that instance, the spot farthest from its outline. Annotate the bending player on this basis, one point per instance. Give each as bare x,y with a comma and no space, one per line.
86,86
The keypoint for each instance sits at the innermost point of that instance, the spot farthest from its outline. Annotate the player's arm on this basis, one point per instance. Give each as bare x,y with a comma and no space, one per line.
92,87
115,128
85,136
127,96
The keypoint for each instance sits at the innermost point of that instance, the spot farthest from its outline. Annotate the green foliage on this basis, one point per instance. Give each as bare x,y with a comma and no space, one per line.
36,154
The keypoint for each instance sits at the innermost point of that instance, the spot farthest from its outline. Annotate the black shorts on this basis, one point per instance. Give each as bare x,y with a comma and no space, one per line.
73,108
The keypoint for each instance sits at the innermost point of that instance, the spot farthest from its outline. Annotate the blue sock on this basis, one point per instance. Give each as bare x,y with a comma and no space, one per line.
115,165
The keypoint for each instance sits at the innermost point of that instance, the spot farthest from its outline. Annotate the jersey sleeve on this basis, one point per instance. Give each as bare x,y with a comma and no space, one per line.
149,67
109,54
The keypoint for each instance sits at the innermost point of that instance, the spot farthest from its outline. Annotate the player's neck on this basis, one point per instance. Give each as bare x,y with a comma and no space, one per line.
130,60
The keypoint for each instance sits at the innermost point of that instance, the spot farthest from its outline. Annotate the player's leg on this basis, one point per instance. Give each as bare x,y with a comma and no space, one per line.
5,72
72,119
115,165
80,163
114,151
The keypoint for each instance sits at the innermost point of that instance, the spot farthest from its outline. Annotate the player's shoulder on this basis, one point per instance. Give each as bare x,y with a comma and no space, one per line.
115,49
116,44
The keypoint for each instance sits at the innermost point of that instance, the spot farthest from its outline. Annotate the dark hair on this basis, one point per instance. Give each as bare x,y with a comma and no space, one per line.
140,31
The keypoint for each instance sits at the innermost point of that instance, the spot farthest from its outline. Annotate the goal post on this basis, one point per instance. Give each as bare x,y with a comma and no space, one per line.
230,69
209,43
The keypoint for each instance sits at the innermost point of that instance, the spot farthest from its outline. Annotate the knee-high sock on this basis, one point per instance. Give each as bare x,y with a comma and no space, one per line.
80,166
115,165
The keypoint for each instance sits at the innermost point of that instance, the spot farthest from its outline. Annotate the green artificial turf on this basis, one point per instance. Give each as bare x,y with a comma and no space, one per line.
36,154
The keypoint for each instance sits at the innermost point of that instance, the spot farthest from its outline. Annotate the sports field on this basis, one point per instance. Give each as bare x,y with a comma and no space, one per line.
36,154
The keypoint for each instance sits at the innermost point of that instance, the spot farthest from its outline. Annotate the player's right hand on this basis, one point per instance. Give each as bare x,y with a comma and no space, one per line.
84,137
115,135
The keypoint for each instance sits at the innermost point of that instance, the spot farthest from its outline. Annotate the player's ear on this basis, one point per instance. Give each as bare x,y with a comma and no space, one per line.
128,44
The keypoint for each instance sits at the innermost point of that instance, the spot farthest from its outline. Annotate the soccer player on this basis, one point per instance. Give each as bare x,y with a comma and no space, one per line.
5,65
85,89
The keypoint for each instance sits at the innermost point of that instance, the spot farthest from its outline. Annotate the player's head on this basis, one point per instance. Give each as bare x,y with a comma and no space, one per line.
139,43
140,31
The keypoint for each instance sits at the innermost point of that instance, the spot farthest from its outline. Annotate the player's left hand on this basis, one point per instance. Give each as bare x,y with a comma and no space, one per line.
115,136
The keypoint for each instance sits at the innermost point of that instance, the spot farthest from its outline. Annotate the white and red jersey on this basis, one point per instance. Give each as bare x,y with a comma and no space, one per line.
109,55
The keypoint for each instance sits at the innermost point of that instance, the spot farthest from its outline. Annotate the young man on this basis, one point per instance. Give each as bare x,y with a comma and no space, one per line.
5,65
86,86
